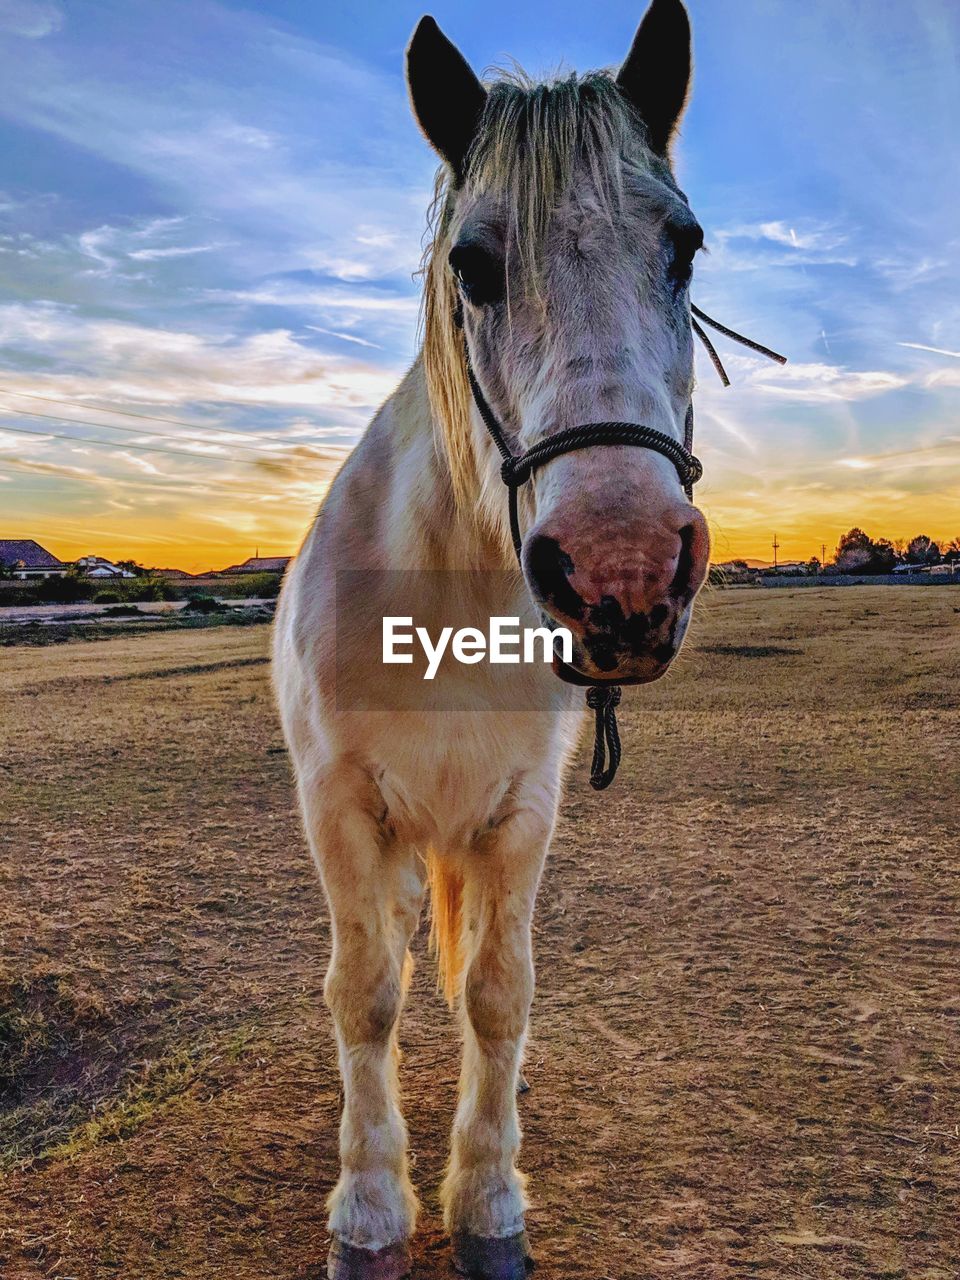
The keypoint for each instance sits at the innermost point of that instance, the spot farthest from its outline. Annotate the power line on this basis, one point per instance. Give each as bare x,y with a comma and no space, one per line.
72,529
128,413
109,444
138,431
164,487
112,426
75,530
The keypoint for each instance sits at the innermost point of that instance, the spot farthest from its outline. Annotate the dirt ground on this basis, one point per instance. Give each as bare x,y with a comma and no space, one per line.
746,1039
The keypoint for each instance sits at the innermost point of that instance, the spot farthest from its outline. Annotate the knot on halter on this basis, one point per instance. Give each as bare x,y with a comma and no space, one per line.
601,696
694,471
515,471
603,701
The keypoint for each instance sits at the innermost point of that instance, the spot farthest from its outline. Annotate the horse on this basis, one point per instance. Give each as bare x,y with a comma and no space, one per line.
556,292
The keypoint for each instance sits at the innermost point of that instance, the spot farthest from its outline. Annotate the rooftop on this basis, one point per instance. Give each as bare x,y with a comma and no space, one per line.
28,553
260,564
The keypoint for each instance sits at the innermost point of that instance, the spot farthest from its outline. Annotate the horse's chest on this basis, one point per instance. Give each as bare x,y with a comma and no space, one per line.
446,786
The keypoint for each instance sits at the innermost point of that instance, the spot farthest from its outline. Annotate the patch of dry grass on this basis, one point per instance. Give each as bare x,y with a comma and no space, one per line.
744,1056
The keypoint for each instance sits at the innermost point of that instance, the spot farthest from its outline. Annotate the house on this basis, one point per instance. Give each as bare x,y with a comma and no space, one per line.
173,574
97,567
734,572
259,564
25,558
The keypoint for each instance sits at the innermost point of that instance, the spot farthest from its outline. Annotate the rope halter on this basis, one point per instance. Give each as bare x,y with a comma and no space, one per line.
516,470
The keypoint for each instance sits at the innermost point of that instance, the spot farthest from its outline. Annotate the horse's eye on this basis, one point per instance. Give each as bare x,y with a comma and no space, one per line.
479,274
684,239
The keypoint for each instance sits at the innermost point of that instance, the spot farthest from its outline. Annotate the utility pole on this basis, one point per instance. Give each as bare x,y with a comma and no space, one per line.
823,555
776,548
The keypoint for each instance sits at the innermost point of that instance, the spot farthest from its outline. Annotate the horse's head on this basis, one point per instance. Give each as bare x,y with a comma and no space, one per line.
564,250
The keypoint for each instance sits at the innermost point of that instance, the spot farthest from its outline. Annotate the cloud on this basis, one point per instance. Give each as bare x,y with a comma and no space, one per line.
372,252
813,382
909,272
821,238
32,19
22,462
344,337
943,378
126,363
940,453
327,299
289,189
273,297
172,251
937,351
112,245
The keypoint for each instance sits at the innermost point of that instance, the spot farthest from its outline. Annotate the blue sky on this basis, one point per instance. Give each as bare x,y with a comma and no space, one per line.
210,214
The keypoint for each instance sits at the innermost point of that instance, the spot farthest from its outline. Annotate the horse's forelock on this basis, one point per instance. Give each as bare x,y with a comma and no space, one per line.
532,140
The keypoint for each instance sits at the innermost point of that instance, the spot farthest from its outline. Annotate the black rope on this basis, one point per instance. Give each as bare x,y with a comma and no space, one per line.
711,351
603,701
737,337
517,469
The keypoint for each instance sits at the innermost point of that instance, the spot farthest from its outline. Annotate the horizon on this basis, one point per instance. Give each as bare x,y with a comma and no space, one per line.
258,552
208,262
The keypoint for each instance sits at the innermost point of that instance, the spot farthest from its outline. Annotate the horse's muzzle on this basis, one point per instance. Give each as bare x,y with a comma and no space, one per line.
626,604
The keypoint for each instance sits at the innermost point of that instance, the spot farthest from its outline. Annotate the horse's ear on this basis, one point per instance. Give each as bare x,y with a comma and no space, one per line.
656,74
447,97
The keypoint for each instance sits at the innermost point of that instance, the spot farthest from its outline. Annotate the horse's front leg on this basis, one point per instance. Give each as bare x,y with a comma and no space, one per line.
375,891
483,1194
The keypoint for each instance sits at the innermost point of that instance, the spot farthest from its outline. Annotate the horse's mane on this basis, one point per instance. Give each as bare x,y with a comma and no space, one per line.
530,140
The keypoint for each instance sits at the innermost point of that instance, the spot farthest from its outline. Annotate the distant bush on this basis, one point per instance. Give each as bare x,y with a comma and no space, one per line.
19,596
264,586
106,597
67,590
146,587
122,611
205,604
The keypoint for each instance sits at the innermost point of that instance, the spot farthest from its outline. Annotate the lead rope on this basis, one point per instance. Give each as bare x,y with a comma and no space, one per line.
516,470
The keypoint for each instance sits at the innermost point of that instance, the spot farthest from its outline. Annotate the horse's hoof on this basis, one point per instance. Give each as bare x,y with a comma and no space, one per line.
347,1262
490,1258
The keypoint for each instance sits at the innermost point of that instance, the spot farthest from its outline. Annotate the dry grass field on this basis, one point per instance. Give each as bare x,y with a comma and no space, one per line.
745,1050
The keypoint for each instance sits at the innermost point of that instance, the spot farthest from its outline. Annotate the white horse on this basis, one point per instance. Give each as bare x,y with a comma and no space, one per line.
558,273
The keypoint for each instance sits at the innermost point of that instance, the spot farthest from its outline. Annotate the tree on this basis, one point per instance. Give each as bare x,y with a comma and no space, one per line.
858,553
951,553
884,556
131,566
853,552
923,550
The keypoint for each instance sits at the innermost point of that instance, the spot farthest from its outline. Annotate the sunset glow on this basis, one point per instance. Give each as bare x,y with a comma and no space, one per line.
211,216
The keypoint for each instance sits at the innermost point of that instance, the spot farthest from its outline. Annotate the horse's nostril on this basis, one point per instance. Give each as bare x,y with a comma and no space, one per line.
681,579
548,569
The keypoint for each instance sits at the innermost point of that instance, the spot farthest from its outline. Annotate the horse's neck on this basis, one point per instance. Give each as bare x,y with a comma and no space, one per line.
428,528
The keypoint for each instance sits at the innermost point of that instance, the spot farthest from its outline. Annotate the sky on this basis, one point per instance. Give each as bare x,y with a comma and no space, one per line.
211,213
